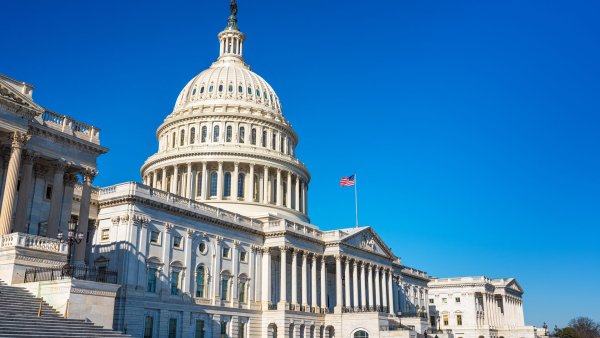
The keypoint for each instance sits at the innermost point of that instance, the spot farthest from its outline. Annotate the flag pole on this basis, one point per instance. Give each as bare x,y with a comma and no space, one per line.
356,198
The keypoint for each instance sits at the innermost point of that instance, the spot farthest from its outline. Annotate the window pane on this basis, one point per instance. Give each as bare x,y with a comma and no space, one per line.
200,281
216,134
241,179
199,329
173,328
227,191
213,184
148,326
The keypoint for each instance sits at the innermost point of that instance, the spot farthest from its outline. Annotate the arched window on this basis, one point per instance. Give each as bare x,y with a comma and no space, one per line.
264,138
210,89
258,93
220,88
241,135
274,141
227,185
240,89
230,88
274,190
228,133
202,90
200,281
225,287
216,134
204,132
249,91
181,137
213,184
360,334
253,137
173,141
255,189
199,185
192,135
241,179
282,143
242,291
194,91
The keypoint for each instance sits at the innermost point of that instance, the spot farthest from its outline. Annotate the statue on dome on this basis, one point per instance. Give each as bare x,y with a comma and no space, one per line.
233,7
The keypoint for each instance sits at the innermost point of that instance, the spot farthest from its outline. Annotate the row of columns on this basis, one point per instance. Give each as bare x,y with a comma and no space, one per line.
194,182
502,311
21,164
379,296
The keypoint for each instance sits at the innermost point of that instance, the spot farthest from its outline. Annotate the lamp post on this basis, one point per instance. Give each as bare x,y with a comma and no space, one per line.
72,237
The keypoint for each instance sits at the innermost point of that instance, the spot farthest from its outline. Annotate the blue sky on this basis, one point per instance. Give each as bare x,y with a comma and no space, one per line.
473,126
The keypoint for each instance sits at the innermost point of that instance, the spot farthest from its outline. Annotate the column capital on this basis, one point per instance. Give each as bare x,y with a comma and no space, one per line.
266,250
338,257
168,227
89,174
278,171
70,180
218,239
59,165
315,257
40,170
30,156
236,243
190,233
18,139
305,254
283,248
236,164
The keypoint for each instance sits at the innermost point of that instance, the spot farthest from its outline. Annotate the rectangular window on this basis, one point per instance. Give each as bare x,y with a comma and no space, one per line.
199,329
48,194
172,327
243,256
445,320
148,327
154,237
226,252
242,330
225,289
430,300
223,329
174,282
152,272
444,300
105,235
459,320
177,242
457,299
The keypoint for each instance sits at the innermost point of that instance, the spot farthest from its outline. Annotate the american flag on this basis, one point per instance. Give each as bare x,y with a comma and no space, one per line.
347,181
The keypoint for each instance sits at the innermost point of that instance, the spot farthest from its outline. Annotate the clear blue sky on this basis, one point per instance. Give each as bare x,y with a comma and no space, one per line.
473,125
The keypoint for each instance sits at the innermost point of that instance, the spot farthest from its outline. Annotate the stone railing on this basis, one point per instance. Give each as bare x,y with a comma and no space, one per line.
411,271
21,240
71,126
143,191
287,225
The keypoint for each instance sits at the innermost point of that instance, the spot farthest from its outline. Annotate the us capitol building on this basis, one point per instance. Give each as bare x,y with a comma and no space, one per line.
216,240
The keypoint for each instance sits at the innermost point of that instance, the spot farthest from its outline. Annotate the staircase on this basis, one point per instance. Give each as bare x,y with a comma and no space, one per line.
19,318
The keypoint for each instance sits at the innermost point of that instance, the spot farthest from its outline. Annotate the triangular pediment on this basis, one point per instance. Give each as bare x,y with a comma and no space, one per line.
368,240
514,286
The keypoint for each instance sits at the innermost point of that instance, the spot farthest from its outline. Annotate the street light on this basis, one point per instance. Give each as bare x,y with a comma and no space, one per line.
72,237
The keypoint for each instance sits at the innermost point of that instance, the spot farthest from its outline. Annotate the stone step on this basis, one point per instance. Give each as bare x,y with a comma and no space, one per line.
56,329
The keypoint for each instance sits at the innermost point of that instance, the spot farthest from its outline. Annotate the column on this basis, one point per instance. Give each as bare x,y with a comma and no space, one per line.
363,288
251,275
355,284
163,183
12,177
220,181
204,185
384,290
279,185
297,192
370,282
347,279
24,193
57,197
175,180
294,280
265,188
338,284
391,292
323,283
250,190
234,272
304,280
234,179
288,195
141,248
377,289
304,198
283,284
216,275
165,280
188,277
88,176
266,278
189,180
313,281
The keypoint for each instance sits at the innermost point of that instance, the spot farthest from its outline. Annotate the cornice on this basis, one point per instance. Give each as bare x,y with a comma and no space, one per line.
57,136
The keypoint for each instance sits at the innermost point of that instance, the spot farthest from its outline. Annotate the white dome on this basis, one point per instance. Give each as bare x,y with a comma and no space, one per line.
228,79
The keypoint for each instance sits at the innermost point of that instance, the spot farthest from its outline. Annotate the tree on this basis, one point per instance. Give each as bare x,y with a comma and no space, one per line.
585,327
567,332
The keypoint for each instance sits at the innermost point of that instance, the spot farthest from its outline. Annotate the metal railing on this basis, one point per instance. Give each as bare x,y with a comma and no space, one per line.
70,271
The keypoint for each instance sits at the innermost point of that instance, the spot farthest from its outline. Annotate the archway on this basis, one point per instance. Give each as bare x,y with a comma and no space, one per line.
272,330
330,332
360,333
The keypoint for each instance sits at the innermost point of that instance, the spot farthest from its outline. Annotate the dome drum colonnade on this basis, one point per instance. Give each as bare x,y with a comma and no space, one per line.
227,141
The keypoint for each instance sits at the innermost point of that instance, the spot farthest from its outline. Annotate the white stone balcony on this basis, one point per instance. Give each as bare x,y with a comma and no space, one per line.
71,127
21,240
